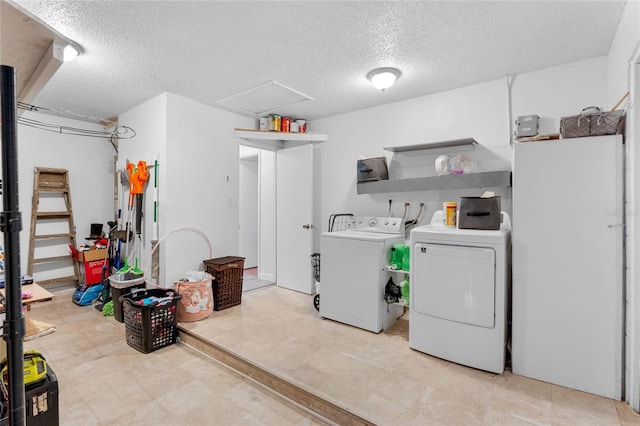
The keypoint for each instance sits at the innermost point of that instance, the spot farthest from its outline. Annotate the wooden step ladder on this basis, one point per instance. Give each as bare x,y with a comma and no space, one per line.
54,183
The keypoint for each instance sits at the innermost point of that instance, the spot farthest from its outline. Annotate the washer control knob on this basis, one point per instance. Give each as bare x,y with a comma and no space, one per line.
386,222
373,221
393,223
359,220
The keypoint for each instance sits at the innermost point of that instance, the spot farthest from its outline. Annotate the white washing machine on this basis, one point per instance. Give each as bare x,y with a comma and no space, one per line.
459,293
353,276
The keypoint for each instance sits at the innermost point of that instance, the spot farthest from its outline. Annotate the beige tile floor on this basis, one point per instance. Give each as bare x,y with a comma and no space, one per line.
377,376
103,381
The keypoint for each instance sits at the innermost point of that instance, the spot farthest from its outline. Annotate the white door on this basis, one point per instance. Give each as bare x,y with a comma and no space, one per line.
294,218
567,263
455,283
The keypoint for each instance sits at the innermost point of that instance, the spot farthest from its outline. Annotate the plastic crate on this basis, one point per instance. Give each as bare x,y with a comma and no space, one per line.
150,327
227,280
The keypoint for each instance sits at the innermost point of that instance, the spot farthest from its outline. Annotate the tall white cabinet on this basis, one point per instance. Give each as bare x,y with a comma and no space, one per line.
567,324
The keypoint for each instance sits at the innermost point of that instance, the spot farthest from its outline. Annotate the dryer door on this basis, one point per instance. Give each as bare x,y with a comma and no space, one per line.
455,283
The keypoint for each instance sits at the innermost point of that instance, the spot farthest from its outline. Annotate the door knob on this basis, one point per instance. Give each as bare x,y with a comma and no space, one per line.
307,226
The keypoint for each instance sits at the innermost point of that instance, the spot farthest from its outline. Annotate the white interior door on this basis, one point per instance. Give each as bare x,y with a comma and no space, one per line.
294,218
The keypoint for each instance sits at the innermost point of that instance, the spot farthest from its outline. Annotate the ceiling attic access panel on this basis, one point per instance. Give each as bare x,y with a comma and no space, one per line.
274,141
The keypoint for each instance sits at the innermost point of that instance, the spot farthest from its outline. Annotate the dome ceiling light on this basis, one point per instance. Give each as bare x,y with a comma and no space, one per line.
383,78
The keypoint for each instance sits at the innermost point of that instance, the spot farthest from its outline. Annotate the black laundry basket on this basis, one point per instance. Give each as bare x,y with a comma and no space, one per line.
153,326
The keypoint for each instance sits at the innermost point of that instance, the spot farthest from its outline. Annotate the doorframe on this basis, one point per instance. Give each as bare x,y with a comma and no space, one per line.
253,156
264,245
632,294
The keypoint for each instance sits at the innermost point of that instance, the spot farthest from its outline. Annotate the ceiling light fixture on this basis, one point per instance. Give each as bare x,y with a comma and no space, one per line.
383,78
70,52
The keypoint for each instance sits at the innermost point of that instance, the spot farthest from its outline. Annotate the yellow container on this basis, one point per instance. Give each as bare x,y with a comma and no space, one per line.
449,210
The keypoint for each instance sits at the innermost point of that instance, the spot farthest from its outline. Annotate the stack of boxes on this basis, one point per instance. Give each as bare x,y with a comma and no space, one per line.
92,264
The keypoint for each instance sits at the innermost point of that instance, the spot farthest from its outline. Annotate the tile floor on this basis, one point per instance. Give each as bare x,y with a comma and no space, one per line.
377,376
102,381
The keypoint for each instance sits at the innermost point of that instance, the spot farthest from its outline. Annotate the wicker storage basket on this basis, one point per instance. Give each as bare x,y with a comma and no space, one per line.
227,280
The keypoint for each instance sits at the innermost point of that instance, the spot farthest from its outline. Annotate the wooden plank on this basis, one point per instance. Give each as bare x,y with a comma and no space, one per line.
52,215
52,259
52,236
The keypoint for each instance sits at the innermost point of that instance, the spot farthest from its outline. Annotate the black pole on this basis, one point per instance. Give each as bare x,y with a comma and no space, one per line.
11,225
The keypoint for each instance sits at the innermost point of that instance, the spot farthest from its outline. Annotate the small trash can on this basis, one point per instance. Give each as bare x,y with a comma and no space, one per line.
197,299
120,286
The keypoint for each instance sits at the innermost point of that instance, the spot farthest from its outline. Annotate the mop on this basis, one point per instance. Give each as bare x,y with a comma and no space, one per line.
124,177
155,260
120,235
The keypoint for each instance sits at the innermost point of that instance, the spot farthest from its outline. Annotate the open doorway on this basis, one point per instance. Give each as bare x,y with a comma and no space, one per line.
256,202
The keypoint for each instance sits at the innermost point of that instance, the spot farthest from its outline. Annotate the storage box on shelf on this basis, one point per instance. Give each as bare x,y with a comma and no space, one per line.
227,280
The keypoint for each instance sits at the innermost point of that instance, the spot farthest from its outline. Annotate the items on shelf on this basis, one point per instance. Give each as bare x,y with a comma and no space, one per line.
277,123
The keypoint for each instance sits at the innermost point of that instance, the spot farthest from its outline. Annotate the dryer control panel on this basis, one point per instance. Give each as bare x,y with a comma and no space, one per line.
386,225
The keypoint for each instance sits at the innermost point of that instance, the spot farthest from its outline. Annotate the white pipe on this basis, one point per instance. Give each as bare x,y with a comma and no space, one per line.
184,228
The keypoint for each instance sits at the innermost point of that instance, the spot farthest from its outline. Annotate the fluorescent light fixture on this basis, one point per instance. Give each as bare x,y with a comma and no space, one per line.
383,78
70,52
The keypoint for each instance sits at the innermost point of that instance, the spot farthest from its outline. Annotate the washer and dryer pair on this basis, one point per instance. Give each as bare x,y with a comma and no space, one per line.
460,293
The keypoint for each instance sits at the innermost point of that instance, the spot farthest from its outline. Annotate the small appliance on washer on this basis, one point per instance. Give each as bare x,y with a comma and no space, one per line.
353,273
460,286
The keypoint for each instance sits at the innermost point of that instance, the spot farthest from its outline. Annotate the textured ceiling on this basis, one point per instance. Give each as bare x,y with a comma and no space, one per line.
210,50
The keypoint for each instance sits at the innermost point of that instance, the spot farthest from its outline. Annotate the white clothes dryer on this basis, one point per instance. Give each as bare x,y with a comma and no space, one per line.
460,286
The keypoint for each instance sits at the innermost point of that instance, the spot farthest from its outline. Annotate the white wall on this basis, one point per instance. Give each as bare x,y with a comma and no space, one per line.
248,207
90,164
479,111
149,122
198,182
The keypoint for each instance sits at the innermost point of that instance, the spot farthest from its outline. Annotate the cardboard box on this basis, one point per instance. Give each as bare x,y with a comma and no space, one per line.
93,271
91,255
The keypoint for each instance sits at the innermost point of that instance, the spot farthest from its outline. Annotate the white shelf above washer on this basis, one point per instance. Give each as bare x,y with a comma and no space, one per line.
433,145
274,141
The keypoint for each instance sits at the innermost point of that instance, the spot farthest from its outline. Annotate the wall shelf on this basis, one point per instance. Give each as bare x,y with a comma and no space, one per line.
433,145
501,178
274,141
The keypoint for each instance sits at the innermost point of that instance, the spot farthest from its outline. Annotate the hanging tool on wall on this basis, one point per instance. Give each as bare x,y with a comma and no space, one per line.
138,176
120,235
155,260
